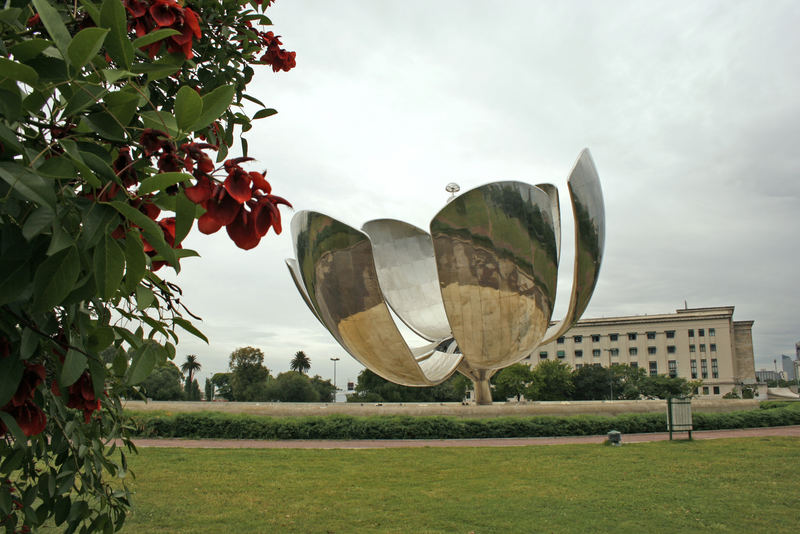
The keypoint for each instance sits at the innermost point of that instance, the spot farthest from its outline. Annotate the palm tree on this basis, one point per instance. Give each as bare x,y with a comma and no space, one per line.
300,362
190,366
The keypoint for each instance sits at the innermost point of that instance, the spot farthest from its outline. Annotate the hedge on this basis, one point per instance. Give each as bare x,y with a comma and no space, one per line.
226,426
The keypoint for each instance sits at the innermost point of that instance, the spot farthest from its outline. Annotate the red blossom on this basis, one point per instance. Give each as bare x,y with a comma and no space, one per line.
81,396
123,167
30,418
237,184
243,230
200,192
222,207
153,140
32,376
33,21
260,183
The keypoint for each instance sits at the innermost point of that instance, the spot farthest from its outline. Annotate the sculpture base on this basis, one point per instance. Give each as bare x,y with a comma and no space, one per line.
483,392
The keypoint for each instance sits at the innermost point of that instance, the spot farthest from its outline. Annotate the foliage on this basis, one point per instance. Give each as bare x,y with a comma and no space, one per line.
663,386
372,388
749,392
227,426
326,391
248,374
190,367
192,390
300,362
551,381
209,390
594,382
292,386
164,384
222,385
513,380
109,112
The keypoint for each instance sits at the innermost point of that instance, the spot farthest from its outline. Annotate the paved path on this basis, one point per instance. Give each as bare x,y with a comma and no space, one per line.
793,431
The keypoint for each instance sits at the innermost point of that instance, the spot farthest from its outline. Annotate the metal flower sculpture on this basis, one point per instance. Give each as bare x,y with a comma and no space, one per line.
479,288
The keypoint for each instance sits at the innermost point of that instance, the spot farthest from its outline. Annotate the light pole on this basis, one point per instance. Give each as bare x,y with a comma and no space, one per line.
334,360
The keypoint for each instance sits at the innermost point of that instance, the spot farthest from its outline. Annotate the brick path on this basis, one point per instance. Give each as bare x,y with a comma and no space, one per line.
793,431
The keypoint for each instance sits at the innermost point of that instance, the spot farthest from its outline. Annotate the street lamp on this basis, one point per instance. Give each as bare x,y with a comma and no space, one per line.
334,360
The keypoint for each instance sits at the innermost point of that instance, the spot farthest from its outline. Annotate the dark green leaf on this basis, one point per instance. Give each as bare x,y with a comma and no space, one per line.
120,364
102,169
60,239
82,95
100,338
29,49
185,211
11,370
254,100
28,184
57,167
74,366
98,373
29,343
154,36
9,142
106,125
189,327
143,360
73,153
17,71
96,221
10,105
118,46
113,75
152,232
215,104
93,10
10,15
135,263
144,297
109,265
15,269
123,104
55,278
85,45
188,106
51,19
11,424
37,221
262,113
162,181
160,121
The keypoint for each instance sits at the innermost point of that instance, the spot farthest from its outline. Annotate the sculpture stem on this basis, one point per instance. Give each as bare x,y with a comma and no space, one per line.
483,393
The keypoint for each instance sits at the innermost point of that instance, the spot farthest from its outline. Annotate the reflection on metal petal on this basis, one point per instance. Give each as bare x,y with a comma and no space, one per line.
555,209
335,263
590,235
498,264
407,276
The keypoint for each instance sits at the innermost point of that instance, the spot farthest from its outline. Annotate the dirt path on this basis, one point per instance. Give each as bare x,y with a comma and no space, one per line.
793,431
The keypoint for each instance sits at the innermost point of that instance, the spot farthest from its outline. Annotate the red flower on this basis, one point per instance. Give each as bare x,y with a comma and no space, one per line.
30,418
195,152
260,183
200,192
238,185
81,396
243,230
123,167
33,21
165,12
222,207
32,376
153,140
136,8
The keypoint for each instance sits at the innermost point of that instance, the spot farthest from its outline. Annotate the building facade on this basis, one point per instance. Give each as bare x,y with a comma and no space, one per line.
695,343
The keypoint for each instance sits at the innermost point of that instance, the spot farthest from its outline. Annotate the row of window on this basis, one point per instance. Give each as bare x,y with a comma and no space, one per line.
671,364
633,351
632,336
704,368
712,346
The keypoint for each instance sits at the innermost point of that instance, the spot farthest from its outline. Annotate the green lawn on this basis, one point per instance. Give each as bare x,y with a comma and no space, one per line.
734,485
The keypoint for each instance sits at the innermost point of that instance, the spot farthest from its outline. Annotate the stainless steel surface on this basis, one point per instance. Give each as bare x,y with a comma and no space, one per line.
497,261
335,263
407,275
481,287
590,236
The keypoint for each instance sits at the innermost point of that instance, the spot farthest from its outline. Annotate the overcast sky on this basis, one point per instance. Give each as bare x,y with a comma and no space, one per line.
691,111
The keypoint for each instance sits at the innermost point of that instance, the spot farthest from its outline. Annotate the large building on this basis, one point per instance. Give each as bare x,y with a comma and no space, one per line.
696,343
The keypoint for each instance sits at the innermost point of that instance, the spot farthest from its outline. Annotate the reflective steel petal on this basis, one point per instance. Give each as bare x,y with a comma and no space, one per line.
590,235
336,268
497,260
407,275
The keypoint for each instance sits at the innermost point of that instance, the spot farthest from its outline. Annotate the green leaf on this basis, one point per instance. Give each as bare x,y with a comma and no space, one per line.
58,167
71,148
159,120
55,278
97,371
12,425
53,24
118,46
113,75
106,125
28,184
135,262
15,268
215,104
161,181
123,104
188,106
60,239
154,36
152,232
109,265
74,365
92,10
11,370
81,95
144,297
100,338
262,113
29,343
96,220
185,211
29,49
143,361
17,71
189,327
120,364
37,221
85,45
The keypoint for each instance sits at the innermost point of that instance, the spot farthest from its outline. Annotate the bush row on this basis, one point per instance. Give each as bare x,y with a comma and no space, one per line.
225,426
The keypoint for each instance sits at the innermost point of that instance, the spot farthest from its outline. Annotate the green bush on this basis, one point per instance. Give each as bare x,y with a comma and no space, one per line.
224,426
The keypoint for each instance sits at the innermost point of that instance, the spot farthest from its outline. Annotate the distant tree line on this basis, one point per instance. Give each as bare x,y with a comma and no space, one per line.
551,380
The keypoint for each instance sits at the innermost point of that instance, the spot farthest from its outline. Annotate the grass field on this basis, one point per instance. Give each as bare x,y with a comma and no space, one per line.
732,485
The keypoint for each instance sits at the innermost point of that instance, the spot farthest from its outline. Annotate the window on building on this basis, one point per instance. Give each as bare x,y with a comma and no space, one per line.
713,347
613,352
670,349
693,365
560,340
712,332
633,351
701,332
543,355
595,338
705,390
670,334
673,368
704,368
634,365
561,354
651,350
613,337
596,353
651,335
653,368
577,339
691,332
632,336
702,347
714,368
579,354
716,390
597,365
692,348
578,365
